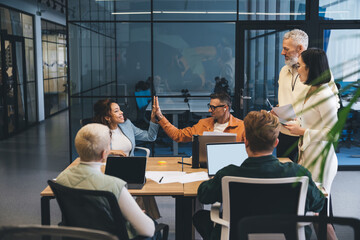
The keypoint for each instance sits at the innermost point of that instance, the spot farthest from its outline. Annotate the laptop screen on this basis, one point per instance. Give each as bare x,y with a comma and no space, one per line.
220,155
129,169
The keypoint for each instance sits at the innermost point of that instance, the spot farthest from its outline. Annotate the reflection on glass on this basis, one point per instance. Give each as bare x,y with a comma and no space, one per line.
132,10
45,60
55,68
52,57
31,103
339,10
74,10
263,62
272,10
51,32
195,10
133,55
27,25
29,56
191,55
343,50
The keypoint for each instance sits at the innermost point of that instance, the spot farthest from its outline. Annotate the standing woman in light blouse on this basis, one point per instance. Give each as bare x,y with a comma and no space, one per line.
318,116
124,132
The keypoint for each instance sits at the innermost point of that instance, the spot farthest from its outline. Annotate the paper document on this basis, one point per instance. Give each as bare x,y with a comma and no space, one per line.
285,113
162,177
193,177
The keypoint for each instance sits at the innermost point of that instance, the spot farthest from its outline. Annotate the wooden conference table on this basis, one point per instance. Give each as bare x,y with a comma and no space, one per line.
184,194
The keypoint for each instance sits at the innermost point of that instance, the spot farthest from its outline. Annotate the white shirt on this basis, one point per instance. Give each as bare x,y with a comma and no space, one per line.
293,91
120,142
220,127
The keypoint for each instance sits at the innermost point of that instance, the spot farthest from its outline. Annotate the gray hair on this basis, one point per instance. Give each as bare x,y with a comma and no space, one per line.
91,140
299,37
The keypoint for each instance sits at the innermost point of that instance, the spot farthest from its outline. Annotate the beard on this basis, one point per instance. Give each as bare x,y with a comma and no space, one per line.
291,62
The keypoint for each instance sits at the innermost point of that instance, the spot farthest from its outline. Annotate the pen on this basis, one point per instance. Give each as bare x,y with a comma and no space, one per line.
161,179
184,163
267,100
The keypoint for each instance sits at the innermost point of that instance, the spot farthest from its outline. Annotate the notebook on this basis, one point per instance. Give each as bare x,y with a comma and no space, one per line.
220,155
205,139
129,169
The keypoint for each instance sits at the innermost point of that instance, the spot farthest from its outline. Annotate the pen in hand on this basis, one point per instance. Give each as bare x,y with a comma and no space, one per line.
161,179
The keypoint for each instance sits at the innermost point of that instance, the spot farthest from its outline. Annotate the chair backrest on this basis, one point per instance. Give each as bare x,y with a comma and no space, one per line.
347,228
34,232
90,209
244,197
142,102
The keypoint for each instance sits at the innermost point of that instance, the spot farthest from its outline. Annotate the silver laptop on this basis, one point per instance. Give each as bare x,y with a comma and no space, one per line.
129,169
205,139
220,155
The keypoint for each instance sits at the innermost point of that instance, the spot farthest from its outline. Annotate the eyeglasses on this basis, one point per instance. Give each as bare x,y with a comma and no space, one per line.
213,108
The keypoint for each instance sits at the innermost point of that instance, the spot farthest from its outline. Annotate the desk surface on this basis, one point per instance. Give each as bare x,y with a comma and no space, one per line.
170,189
151,187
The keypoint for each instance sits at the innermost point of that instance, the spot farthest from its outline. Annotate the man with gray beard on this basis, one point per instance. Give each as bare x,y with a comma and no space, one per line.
292,90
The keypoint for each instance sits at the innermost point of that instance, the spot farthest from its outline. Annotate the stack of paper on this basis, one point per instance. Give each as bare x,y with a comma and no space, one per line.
176,176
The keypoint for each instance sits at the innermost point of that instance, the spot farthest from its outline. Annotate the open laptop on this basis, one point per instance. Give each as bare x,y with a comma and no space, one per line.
129,169
220,155
205,139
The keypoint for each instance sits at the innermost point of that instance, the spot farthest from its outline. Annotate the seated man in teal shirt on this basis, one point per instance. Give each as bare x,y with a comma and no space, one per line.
261,137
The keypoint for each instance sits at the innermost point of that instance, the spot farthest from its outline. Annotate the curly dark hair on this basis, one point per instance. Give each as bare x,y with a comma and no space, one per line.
102,109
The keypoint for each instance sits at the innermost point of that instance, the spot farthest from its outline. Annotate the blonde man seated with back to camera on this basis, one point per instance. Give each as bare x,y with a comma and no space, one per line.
92,143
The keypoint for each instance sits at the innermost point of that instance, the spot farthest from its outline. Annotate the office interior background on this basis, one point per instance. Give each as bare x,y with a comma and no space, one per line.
62,55
58,57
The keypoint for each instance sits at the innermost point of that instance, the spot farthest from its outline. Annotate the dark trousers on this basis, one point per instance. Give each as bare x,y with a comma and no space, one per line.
203,223
287,147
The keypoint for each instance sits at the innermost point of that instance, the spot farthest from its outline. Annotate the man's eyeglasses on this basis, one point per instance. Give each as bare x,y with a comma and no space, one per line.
212,107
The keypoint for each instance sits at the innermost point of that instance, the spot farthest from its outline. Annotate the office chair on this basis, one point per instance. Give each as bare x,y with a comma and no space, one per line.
23,232
85,121
244,197
94,209
251,227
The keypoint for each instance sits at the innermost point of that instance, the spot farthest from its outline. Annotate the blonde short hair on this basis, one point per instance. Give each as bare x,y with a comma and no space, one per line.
91,140
261,130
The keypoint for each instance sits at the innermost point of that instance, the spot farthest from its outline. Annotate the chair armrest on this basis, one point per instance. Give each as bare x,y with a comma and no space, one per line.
144,149
215,215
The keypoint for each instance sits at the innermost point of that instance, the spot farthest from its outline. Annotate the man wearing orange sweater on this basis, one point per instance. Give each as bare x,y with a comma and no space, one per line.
220,121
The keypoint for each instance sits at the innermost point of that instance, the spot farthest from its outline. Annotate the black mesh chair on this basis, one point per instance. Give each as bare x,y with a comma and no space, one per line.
39,232
95,210
243,197
345,228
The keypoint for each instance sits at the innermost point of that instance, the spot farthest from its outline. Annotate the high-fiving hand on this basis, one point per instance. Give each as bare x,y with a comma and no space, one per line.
156,109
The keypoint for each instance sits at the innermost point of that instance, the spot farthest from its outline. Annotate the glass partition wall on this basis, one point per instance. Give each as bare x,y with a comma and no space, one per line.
133,50
54,67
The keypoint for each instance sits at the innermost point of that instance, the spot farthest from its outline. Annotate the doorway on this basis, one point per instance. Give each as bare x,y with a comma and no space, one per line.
13,111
